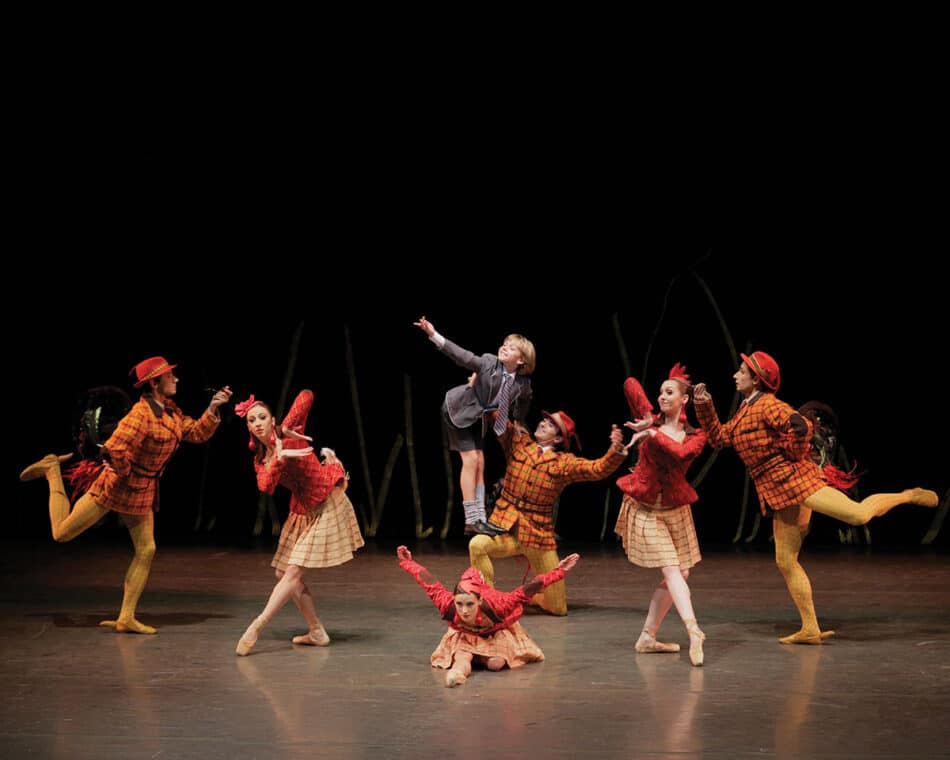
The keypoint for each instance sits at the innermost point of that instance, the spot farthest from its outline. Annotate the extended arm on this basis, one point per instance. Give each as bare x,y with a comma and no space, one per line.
717,434
441,597
577,469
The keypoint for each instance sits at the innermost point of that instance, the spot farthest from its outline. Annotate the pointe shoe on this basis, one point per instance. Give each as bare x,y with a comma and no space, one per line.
249,638
801,637
696,639
318,637
922,497
648,643
38,469
454,678
128,626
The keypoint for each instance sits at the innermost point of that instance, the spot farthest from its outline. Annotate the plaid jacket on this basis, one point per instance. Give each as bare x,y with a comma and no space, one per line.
138,451
776,457
308,481
660,472
533,482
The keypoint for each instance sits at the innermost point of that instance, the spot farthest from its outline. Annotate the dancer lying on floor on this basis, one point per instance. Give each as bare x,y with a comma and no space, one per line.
483,622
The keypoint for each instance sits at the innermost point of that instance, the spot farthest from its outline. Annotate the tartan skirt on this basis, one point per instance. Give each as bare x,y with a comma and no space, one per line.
658,537
513,644
325,536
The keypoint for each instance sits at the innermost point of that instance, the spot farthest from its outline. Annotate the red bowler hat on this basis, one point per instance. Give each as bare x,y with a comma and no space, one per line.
765,367
566,425
146,369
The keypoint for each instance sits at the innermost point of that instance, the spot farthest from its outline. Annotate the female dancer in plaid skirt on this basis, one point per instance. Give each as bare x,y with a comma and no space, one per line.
655,520
321,529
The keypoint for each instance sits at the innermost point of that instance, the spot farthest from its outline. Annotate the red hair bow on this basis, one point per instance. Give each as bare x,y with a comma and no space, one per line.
242,408
472,582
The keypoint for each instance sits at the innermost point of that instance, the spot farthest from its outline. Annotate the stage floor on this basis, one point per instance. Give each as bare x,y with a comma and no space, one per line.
880,689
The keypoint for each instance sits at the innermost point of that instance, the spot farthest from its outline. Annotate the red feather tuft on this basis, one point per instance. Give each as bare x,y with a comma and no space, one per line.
82,475
679,373
838,478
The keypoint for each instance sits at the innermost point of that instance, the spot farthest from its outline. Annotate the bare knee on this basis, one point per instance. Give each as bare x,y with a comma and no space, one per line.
293,575
671,573
495,663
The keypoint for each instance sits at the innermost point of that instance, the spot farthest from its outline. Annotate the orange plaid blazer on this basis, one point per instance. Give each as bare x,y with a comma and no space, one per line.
138,451
776,457
533,481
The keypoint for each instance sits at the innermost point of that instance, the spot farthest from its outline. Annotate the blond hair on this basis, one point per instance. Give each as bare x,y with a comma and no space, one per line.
526,348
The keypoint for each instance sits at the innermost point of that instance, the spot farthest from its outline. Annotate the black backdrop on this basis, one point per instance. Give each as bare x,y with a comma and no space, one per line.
859,324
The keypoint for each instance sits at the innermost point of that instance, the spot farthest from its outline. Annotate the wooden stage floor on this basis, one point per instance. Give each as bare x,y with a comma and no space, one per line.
880,689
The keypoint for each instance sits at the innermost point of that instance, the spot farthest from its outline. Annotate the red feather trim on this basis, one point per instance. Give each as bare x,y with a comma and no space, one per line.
82,475
838,478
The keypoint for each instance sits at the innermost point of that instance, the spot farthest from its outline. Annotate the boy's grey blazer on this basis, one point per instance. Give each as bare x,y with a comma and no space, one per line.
466,404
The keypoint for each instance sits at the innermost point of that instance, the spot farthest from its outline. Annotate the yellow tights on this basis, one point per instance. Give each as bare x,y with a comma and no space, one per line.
66,525
482,549
790,525
832,502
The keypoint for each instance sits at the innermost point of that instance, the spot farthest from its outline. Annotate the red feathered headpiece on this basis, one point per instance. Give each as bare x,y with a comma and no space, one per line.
679,373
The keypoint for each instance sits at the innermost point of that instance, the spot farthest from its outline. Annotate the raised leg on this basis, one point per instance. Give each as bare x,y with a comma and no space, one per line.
832,502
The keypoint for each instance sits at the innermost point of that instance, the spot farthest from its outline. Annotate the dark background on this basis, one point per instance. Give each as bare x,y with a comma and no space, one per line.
857,321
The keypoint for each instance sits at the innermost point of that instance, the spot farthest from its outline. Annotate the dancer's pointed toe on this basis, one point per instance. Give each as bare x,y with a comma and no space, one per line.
38,469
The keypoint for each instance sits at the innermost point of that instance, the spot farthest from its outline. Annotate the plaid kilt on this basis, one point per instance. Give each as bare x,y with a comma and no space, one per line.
658,537
325,536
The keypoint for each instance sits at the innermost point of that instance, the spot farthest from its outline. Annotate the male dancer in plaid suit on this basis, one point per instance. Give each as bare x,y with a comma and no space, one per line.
773,440
135,456
538,470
